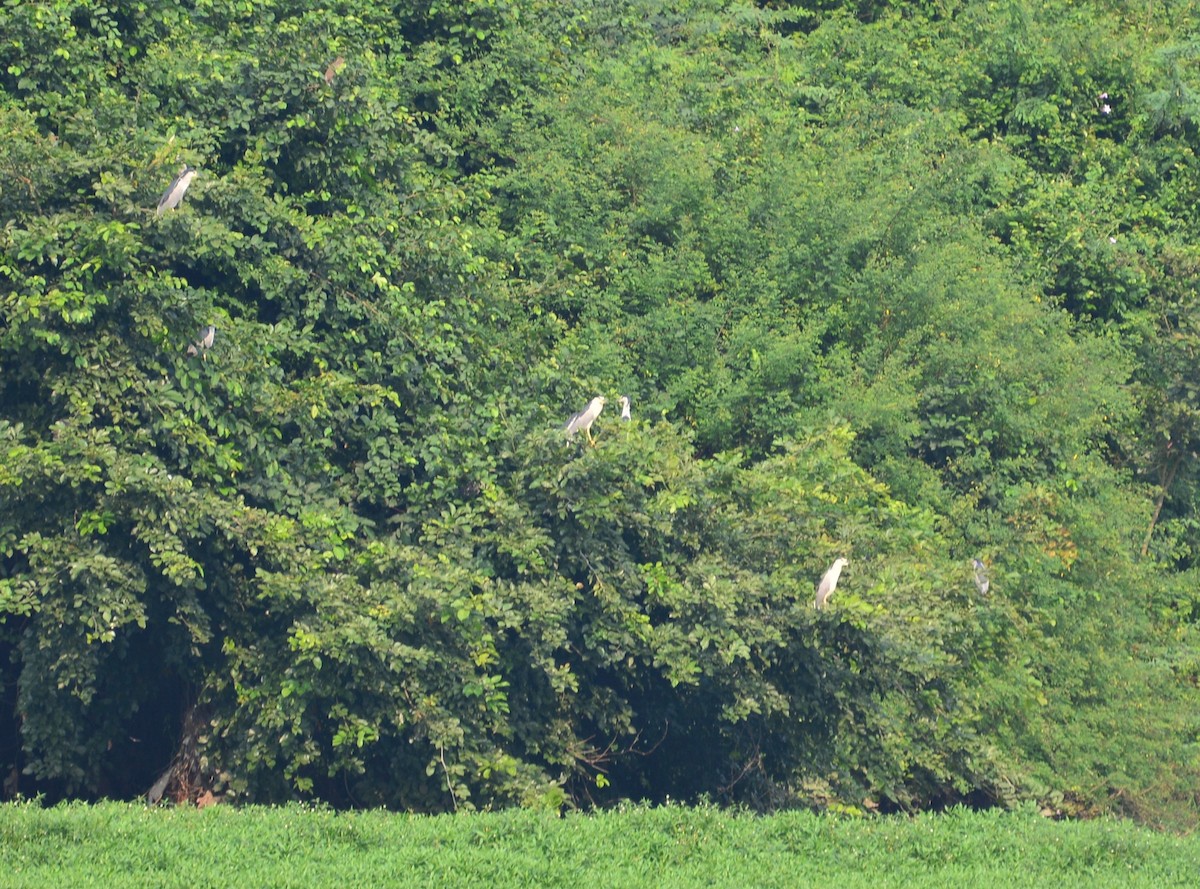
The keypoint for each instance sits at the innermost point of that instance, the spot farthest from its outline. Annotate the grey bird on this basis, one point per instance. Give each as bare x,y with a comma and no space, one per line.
155,793
174,193
585,418
202,345
624,401
829,582
981,576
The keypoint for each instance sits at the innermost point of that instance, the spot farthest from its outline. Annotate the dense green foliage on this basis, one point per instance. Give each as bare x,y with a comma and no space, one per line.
907,283
119,845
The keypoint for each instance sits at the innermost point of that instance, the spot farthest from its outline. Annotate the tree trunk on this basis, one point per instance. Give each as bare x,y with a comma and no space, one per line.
1168,476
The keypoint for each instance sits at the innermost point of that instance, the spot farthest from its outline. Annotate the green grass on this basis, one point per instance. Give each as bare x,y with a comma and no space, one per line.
118,845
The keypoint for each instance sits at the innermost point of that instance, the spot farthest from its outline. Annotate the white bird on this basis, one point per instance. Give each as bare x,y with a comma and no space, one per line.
174,193
829,582
202,345
981,576
585,418
624,400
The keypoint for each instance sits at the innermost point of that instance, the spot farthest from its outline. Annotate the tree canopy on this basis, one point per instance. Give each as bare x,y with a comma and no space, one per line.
909,284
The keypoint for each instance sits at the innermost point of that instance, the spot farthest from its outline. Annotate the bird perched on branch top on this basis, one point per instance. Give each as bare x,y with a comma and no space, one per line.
174,193
981,576
585,418
202,345
829,582
624,401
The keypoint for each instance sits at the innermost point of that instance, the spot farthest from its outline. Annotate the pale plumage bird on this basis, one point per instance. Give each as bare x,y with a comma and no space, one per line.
829,582
981,576
202,345
625,414
585,418
174,193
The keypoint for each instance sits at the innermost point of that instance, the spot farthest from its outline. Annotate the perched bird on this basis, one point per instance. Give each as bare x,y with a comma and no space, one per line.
174,193
202,345
334,68
155,793
624,400
981,576
585,418
829,582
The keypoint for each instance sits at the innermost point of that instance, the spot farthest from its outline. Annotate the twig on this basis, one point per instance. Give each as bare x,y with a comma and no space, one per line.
446,770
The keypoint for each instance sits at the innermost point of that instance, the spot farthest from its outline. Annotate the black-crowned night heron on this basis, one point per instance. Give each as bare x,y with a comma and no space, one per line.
981,576
174,193
625,414
585,418
202,345
155,793
829,582
334,68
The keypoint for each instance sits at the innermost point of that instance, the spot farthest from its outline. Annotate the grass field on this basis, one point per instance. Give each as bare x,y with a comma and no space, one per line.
117,845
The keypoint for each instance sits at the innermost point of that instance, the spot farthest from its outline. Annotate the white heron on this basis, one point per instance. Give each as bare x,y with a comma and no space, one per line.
981,576
174,193
585,418
624,401
829,582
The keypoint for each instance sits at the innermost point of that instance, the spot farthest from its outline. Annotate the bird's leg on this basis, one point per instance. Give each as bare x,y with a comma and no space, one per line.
591,440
